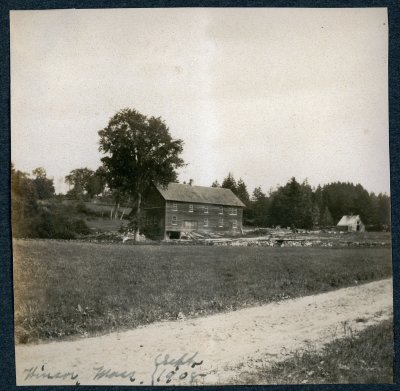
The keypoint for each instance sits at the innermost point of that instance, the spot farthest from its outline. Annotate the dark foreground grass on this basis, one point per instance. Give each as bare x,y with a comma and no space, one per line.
68,288
363,358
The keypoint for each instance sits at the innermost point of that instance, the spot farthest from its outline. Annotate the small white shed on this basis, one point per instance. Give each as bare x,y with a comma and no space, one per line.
351,223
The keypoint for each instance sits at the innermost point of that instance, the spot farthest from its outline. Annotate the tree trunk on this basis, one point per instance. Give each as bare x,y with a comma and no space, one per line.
138,206
116,211
113,211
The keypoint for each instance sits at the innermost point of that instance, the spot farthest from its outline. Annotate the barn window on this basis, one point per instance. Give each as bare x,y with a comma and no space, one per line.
190,207
174,206
234,223
220,222
221,210
174,220
233,211
206,222
206,209
155,221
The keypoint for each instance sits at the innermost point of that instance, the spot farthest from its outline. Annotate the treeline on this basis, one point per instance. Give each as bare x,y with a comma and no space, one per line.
292,205
299,205
32,216
295,204
86,184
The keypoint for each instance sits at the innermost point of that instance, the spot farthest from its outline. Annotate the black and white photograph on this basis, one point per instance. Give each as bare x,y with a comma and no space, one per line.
201,196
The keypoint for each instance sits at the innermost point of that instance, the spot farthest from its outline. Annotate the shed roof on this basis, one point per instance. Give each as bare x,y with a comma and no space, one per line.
199,194
349,220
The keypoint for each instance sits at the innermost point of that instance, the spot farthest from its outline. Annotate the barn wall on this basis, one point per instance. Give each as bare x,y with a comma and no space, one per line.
354,227
198,215
351,228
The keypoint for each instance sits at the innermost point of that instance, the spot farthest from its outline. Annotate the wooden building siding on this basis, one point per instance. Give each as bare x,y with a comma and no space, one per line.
350,223
161,216
211,212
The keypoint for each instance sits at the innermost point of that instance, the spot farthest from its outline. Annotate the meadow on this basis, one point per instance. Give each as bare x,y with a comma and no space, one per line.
65,288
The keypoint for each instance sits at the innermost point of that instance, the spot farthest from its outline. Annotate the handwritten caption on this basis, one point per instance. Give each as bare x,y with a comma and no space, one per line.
167,370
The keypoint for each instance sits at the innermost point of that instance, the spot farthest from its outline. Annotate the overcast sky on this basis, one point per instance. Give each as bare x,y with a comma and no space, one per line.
266,94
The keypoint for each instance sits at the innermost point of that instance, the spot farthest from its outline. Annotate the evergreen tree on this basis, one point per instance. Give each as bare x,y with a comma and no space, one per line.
242,193
292,205
326,218
259,207
230,183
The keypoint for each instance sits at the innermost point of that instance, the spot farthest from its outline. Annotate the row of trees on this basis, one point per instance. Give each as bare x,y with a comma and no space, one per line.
295,204
299,205
27,190
32,215
85,183
140,150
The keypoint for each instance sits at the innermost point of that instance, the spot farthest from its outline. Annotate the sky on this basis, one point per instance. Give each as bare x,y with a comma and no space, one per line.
266,93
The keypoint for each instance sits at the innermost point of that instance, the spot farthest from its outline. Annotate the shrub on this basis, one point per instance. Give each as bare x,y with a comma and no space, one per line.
54,227
83,209
47,225
152,232
79,226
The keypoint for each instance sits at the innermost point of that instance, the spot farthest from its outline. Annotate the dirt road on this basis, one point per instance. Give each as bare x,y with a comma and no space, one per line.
205,350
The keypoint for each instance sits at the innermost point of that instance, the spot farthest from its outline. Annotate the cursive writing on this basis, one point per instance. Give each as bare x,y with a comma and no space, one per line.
109,374
168,368
35,373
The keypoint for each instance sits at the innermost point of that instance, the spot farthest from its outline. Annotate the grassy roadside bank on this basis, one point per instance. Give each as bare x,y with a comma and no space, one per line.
356,359
69,289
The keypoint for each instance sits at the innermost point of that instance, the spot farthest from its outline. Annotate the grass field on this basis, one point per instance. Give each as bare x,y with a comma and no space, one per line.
356,359
70,288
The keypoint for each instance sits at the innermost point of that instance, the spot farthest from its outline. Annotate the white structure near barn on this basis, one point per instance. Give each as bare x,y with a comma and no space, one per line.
350,223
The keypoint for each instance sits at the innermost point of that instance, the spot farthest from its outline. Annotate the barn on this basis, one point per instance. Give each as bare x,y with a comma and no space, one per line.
351,223
178,208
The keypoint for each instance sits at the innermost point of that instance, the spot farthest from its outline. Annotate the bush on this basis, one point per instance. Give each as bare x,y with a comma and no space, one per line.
152,232
48,225
83,209
79,226
54,227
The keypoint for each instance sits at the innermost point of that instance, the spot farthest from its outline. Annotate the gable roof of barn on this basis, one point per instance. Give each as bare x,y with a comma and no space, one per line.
349,220
199,194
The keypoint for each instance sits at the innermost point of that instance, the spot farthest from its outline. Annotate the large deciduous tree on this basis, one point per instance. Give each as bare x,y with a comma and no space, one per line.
86,183
139,151
96,183
79,180
44,186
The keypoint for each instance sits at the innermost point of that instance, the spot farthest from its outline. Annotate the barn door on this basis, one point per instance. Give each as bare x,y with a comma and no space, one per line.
190,224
